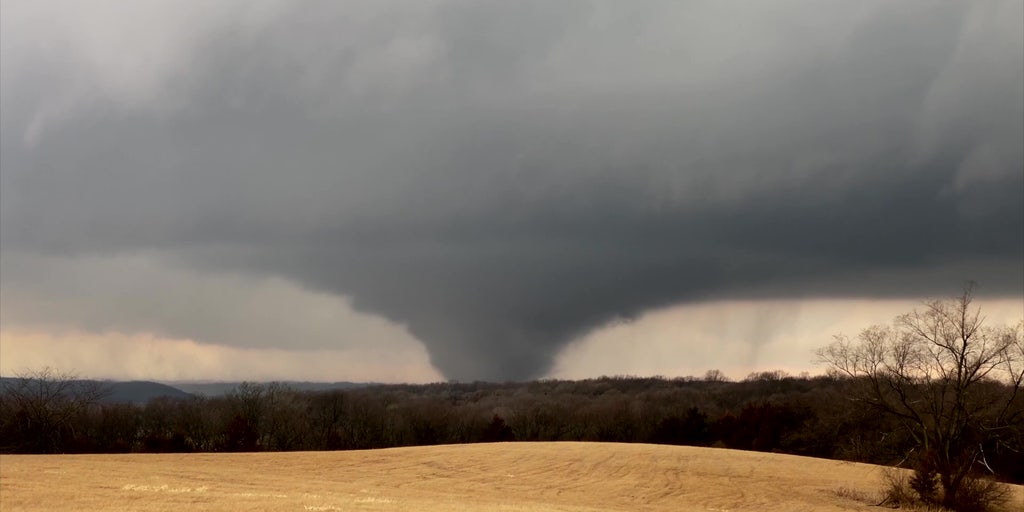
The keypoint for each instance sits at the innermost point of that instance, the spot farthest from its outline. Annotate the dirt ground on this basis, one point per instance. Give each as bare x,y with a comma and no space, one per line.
534,477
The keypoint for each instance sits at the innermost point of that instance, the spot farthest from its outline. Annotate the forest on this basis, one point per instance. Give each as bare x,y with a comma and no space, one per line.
768,411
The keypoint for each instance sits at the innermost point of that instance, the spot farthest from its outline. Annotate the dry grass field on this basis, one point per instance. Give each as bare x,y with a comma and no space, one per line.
514,477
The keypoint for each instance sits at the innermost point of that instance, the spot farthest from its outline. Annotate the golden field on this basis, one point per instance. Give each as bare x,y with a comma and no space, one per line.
507,477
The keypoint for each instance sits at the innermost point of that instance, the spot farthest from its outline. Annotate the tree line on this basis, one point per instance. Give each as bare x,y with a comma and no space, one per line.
767,411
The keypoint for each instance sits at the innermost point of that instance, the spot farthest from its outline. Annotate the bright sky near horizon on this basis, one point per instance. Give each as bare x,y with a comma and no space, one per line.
419,191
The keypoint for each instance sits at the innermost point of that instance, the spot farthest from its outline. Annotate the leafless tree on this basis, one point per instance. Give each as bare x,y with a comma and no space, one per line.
953,383
41,409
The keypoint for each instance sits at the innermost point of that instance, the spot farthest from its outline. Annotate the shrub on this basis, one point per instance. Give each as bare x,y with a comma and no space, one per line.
980,495
896,490
925,482
920,491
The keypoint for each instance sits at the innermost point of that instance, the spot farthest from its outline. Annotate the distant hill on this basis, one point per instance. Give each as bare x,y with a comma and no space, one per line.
222,388
140,392
136,392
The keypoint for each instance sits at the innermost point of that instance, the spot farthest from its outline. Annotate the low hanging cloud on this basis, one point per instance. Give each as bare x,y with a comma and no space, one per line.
501,178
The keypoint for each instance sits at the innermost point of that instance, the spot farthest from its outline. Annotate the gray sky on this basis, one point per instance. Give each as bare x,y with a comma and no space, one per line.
495,190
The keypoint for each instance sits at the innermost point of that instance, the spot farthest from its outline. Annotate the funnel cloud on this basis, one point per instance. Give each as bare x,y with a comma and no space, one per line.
501,178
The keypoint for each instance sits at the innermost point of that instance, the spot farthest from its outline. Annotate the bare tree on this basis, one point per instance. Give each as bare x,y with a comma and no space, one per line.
40,410
953,383
715,376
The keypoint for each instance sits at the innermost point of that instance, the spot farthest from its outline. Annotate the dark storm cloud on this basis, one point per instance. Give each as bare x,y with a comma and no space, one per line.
503,177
